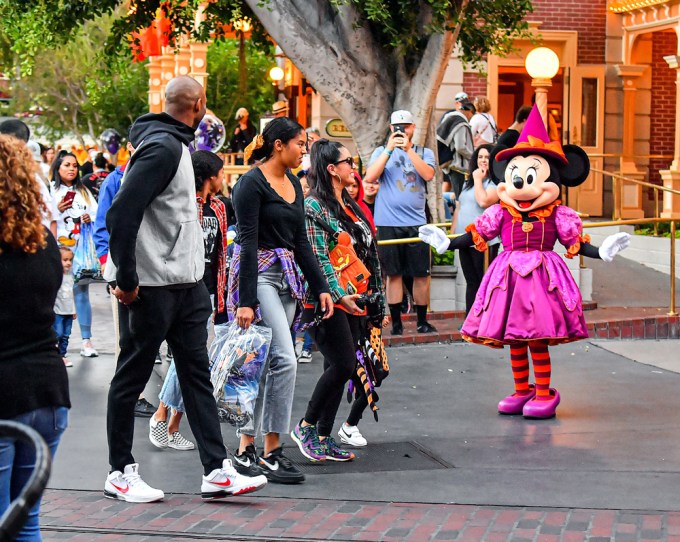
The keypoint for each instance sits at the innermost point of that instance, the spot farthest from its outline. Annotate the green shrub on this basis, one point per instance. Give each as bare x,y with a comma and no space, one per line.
664,229
443,259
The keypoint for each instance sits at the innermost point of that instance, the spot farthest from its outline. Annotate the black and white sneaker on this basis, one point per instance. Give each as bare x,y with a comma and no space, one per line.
246,463
279,469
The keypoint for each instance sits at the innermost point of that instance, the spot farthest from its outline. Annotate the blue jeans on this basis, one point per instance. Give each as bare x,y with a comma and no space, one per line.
81,295
274,404
449,198
62,327
17,460
307,342
171,394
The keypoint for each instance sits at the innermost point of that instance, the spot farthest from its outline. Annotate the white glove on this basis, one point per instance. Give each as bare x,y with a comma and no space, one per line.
614,244
435,237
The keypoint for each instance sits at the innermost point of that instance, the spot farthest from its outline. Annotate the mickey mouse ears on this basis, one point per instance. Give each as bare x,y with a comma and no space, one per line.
534,140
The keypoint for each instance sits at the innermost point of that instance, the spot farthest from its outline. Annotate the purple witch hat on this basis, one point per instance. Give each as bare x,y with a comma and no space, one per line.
534,140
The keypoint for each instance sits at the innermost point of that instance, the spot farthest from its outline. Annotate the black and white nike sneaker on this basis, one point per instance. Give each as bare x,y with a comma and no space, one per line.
279,469
246,463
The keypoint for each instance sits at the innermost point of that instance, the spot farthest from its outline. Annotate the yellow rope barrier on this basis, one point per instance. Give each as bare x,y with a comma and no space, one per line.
672,307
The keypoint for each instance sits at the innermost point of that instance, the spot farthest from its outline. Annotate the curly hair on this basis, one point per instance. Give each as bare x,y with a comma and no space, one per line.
21,204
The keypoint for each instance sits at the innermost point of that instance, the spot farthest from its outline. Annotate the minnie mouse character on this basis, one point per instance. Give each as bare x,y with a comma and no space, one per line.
528,299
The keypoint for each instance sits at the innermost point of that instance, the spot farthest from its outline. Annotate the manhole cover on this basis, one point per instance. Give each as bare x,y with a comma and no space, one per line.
379,457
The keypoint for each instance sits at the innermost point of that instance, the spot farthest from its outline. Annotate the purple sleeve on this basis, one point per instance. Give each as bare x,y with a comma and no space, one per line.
568,224
488,225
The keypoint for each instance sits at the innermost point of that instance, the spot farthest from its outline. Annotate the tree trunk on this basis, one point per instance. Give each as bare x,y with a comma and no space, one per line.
361,80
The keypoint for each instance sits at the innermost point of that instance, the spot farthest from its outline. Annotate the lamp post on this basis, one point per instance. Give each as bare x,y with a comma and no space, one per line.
276,74
542,65
242,28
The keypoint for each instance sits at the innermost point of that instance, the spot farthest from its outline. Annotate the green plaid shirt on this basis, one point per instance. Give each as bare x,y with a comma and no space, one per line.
320,241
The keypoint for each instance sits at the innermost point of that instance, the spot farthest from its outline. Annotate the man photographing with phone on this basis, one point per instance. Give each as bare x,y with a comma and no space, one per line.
402,169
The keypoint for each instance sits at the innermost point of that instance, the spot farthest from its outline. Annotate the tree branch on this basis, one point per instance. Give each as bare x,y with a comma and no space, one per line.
359,86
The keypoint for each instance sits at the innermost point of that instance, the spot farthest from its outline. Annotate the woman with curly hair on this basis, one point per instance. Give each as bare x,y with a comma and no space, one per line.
33,381
76,205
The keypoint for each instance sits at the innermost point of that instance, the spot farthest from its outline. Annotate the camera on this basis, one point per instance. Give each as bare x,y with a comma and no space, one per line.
398,128
375,305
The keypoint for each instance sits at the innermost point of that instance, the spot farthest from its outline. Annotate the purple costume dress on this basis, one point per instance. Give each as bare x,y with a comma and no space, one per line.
528,293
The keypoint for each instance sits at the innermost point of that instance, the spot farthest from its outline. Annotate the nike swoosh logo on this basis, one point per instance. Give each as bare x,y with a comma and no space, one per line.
273,467
226,483
245,463
122,490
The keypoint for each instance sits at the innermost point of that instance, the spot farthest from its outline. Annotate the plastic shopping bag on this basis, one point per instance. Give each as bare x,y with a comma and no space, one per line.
86,266
237,358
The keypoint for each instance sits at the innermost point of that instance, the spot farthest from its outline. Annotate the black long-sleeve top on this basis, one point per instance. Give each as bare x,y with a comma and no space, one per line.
32,373
266,220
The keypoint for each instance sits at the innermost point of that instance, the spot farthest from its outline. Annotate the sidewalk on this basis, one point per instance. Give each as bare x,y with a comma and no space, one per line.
87,517
441,463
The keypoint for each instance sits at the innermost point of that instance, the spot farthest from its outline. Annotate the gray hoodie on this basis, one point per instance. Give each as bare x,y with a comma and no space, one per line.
155,236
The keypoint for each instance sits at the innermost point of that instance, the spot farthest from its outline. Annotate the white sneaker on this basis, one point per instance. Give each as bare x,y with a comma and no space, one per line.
87,350
158,433
177,442
305,357
130,487
226,482
350,435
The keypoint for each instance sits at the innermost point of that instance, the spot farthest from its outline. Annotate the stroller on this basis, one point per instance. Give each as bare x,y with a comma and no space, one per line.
16,514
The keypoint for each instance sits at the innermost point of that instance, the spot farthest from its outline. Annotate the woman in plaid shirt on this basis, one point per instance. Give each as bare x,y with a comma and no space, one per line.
331,172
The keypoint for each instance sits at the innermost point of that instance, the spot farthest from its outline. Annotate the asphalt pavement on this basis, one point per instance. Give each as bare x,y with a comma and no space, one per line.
439,439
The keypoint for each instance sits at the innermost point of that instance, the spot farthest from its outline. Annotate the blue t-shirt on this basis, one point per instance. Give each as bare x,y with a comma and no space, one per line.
401,198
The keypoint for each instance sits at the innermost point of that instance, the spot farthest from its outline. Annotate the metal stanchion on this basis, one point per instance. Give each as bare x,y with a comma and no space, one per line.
672,311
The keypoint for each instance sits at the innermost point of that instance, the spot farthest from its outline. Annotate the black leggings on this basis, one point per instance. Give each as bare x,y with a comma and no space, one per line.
336,338
472,262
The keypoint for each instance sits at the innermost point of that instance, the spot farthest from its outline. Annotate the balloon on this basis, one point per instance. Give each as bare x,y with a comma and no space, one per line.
110,140
210,135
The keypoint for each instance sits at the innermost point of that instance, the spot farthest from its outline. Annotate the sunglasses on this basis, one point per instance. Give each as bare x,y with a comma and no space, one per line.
349,161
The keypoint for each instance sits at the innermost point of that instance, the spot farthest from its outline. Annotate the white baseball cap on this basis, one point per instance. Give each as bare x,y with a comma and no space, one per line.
401,117
34,147
461,97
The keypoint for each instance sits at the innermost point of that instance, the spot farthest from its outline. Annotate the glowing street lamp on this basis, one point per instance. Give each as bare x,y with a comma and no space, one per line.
276,74
542,64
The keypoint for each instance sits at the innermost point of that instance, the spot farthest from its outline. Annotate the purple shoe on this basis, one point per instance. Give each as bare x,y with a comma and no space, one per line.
307,440
513,404
542,410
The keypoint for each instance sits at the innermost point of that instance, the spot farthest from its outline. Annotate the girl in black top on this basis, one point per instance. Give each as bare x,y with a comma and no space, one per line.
263,276
33,381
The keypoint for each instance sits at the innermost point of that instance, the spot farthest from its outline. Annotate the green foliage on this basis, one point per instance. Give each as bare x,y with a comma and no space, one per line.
487,26
76,91
443,259
663,228
224,97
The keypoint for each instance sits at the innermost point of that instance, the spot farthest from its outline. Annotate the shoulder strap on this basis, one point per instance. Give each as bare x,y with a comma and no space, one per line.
321,222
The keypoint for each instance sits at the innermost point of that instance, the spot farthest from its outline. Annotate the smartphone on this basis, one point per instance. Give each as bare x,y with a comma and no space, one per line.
398,129
68,198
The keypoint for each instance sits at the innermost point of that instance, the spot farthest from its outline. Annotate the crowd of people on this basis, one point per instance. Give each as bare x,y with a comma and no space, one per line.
163,234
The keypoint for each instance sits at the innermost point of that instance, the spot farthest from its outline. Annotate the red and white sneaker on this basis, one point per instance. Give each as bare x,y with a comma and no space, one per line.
226,482
129,486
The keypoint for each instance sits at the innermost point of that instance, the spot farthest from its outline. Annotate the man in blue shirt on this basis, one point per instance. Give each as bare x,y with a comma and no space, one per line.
402,170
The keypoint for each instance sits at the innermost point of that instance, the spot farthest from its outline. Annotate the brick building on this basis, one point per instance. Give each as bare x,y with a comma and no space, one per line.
615,94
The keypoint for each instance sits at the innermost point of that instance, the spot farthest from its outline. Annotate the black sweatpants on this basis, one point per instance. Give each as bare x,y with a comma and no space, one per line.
472,262
178,316
336,338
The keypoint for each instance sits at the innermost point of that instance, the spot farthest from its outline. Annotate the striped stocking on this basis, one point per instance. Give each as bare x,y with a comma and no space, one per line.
520,368
541,359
